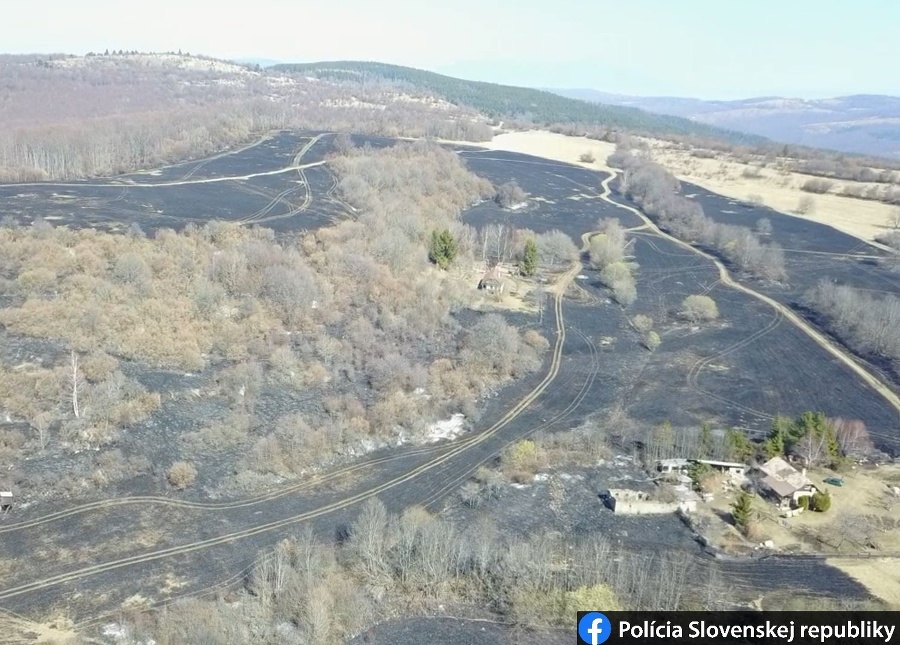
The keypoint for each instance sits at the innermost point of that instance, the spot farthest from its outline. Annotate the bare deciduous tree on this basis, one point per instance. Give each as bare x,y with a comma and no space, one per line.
894,219
75,383
41,426
852,436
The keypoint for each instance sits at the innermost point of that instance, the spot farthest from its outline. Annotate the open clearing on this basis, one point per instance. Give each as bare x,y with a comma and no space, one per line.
597,364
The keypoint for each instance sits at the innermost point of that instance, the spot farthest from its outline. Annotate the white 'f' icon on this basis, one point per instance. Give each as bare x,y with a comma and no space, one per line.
595,631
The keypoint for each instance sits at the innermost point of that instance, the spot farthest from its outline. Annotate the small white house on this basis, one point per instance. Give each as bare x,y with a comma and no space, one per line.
783,483
6,501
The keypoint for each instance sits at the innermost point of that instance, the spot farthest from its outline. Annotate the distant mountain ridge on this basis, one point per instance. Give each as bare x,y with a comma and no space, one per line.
860,123
512,102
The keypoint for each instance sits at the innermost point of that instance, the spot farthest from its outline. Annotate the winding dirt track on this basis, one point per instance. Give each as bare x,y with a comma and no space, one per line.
725,278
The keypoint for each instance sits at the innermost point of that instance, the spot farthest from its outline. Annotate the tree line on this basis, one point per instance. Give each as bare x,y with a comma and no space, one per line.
656,191
309,591
869,324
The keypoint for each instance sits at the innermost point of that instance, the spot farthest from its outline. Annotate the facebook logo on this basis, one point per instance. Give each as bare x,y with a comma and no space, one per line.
593,628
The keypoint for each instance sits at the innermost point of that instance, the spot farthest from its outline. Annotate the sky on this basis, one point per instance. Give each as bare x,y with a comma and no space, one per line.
720,49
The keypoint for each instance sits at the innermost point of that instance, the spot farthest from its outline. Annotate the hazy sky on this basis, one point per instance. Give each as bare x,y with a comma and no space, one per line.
706,48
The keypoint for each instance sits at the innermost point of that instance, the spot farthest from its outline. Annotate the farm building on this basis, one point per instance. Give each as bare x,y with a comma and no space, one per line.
731,468
783,483
6,501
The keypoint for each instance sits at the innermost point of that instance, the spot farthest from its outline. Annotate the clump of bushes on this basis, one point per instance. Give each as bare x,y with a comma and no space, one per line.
817,186
698,308
820,502
805,206
510,194
181,475
520,461
607,252
644,326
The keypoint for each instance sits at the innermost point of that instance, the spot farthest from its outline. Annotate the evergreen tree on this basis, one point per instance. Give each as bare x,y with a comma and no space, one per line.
698,472
821,502
741,510
528,263
442,250
775,444
738,445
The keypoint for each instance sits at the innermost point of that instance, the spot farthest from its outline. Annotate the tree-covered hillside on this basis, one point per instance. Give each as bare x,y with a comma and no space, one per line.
505,101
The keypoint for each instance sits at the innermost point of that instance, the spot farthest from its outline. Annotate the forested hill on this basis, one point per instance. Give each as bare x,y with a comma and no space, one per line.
509,102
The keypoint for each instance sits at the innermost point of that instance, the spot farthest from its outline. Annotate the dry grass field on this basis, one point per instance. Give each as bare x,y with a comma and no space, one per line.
758,179
778,187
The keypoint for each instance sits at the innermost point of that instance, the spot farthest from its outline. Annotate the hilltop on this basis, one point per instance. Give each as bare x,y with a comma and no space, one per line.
504,102
131,110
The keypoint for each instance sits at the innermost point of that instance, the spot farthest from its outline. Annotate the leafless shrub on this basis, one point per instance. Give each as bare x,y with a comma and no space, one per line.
805,206
889,238
587,157
894,219
509,195
764,226
755,199
852,436
817,186
181,475
486,485
751,172
131,269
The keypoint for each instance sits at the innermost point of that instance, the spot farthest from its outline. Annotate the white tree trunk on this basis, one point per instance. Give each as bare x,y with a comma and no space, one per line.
75,379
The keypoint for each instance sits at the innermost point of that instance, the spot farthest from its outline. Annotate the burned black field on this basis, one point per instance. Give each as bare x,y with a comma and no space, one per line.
253,186
739,371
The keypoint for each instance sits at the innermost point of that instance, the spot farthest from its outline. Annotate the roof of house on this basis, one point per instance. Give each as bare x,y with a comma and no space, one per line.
492,274
781,477
780,487
777,467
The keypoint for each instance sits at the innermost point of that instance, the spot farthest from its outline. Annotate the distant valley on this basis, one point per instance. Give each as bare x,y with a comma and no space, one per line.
863,123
